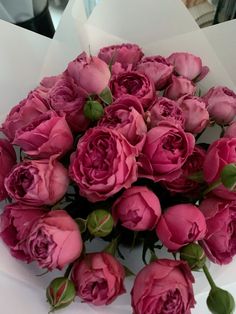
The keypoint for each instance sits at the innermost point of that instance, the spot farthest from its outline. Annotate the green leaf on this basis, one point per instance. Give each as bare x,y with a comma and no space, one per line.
128,272
82,223
106,96
228,176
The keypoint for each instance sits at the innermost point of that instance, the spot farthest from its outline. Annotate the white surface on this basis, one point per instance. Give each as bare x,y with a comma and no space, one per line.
14,12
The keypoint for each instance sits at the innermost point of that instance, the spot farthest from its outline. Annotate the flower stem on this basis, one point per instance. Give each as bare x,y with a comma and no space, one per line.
209,278
68,270
212,186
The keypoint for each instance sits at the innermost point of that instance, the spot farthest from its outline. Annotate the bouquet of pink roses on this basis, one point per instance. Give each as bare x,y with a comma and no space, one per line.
111,148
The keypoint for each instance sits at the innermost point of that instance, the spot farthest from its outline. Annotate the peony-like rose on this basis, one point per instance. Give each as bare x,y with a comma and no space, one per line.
231,130
54,240
103,164
37,182
164,286
137,209
220,240
180,225
98,278
179,87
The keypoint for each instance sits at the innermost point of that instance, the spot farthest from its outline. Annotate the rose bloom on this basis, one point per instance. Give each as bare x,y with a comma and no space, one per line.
195,113
90,73
164,286
220,240
37,182
180,225
46,136
166,149
133,83
7,160
103,164
231,130
54,240
16,221
179,87
125,116
98,278
157,69
137,209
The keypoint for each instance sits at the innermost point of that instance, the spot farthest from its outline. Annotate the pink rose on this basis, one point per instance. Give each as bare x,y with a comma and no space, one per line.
157,69
90,73
179,87
133,83
103,164
180,225
195,113
125,116
46,136
98,278
221,104
166,149
7,161
137,209
188,65
220,240
16,221
231,130
37,182
48,82
54,240
164,286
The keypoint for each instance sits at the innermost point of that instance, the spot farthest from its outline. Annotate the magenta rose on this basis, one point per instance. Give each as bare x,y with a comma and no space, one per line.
54,240
221,104
46,136
231,130
37,182
7,161
133,83
90,73
126,116
195,113
166,149
164,286
103,164
180,225
137,209
157,69
98,278
179,87
16,221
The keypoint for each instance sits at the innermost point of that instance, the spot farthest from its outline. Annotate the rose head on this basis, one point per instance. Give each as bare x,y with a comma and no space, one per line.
179,87
231,130
48,82
164,286
98,278
180,225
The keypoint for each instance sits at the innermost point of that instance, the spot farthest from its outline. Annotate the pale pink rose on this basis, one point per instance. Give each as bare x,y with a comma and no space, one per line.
231,130
98,278
180,225
164,286
179,87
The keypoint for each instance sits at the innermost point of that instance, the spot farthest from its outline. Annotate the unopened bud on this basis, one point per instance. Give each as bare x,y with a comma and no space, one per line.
93,110
194,255
220,301
100,223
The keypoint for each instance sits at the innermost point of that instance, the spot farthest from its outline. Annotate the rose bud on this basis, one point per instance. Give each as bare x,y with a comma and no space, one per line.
221,104
231,130
37,182
228,176
179,87
137,209
7,160
98,278
220,301
191,226
100,223
60,293
93,110
194,255
164,286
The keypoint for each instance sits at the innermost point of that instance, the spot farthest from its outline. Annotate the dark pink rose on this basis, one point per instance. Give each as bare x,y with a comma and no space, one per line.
188,65
137,209
180,225
157,69
166,149
37,182
195,113
179,87
231,130
90,73
220,240
219,154
103,164
221,104
126,116
46,136
133,83
98,278
15,223
48,82
7,161
164,286
54,240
